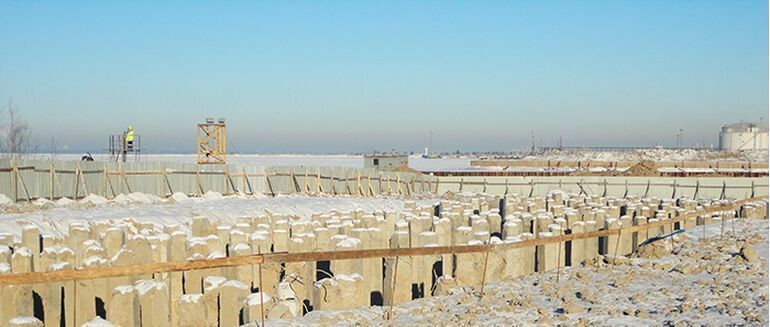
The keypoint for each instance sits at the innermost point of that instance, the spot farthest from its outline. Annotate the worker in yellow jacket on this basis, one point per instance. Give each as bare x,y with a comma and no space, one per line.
130,137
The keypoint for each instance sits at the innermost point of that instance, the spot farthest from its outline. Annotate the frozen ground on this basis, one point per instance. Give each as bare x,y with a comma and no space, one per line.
701,282
54,218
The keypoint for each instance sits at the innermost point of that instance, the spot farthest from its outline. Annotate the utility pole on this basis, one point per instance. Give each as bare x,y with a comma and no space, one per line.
533,142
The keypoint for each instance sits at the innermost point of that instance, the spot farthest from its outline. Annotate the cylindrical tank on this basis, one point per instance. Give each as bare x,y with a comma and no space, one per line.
743,136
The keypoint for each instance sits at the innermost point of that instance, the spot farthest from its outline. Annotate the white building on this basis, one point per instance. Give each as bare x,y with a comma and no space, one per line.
385,161
743,136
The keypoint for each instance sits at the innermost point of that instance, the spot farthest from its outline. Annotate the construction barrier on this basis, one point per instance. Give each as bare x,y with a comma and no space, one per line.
23,180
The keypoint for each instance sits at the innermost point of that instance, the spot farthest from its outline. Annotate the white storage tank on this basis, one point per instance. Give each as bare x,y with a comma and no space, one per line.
743,136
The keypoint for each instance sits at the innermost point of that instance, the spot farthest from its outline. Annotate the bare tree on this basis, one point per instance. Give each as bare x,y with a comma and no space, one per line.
15,136
53,147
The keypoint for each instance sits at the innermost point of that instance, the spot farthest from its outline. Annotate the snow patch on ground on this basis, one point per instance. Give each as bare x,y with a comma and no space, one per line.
147,208
704,282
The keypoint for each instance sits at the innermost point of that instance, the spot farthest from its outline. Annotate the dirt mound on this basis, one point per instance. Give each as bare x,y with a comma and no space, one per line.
405,169
643,168
654,250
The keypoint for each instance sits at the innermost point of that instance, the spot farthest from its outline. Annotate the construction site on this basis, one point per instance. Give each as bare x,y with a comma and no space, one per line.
384,163
133,243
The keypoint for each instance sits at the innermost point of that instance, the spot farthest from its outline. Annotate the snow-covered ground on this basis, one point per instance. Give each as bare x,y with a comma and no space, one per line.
699,282
655,154
53,218
307,160
443,164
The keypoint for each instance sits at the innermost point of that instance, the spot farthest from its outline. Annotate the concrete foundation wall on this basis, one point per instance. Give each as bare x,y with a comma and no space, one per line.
231,295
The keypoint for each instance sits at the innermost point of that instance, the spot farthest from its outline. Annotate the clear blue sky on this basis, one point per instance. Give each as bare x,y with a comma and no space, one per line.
331,76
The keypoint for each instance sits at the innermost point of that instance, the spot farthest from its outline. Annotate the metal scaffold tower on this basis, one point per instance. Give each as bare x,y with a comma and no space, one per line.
212,142
120,149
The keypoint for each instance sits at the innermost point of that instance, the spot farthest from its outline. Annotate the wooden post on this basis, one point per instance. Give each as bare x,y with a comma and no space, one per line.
109,181
23,185
617,244
307,183
230,179
58,183
75,181
104,183
168,183
532,187
461,184
358,184
83,180
294,183
697,188
369,182
318,181
261,296
647,190
269,186
248,183
393,289
484,272
604,194
625,194
51,182
724,191
125,178
14,182
198,180
673,194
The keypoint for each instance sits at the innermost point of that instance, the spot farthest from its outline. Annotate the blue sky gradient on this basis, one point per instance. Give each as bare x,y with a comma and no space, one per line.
339,76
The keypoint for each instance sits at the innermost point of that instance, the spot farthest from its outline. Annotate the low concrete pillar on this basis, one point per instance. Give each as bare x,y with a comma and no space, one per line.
202,226
197,310
626,245
547,254
340,292
401,273
123,306
25,321
153,303
351,266
232,294
468,266
112,241
641,235
16,300
30,239
578,247
286,304
254,307
610,242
